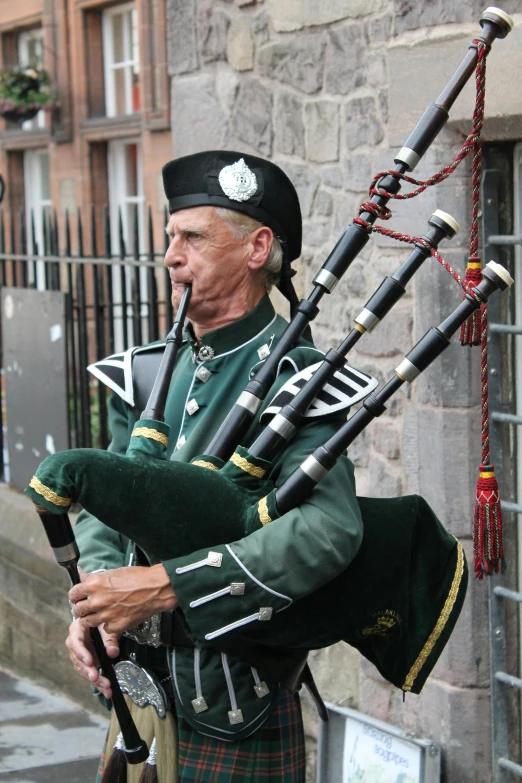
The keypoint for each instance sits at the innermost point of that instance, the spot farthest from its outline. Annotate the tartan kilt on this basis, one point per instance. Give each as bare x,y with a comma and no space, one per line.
275,752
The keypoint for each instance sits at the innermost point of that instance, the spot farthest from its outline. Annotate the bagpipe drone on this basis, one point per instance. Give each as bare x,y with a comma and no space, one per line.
414,573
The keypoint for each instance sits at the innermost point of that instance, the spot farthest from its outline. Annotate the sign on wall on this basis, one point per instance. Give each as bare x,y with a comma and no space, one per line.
355,748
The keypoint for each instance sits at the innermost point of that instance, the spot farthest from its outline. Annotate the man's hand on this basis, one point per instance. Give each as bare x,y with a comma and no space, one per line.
122,598
82,655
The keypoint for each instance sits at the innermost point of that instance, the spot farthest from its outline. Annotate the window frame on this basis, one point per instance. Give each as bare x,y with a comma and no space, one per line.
127,65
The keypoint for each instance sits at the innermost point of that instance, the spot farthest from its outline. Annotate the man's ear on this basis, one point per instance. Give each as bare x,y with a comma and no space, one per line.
261,241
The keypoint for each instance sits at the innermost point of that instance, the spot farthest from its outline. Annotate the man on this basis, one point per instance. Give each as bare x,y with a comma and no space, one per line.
234,227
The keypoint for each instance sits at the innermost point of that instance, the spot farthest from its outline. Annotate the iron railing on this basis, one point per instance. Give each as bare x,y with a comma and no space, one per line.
113,300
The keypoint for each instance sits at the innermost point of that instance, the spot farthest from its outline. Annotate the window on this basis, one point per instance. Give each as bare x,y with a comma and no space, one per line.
121,60
126,199
30,52
38,204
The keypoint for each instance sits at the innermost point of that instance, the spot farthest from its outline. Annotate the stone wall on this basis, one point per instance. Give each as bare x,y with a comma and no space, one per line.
330,90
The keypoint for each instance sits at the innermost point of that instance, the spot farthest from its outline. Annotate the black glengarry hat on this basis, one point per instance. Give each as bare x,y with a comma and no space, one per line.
242,182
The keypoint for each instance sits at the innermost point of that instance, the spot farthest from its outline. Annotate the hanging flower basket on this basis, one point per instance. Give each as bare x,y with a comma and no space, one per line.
24,92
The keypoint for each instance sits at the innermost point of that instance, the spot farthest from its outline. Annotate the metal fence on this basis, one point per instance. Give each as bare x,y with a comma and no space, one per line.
113,300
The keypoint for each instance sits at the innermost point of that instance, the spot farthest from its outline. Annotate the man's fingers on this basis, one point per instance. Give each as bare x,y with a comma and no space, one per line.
111,642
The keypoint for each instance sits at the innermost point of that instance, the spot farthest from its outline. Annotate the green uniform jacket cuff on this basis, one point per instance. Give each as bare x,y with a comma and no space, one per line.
218,594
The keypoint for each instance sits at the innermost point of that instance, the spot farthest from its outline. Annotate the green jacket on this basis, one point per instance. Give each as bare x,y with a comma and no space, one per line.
275,566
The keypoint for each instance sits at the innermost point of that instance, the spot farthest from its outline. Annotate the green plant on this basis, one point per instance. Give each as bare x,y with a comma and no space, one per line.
24,90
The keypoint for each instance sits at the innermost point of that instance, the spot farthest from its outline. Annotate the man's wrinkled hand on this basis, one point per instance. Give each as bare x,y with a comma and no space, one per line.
83,657
122,598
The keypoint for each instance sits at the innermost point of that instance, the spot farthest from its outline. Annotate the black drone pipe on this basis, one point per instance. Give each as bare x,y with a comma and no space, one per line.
156,403
283,425
495,24
299,485
61,538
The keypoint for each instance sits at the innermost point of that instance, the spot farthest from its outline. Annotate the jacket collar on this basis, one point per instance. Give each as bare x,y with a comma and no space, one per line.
234,335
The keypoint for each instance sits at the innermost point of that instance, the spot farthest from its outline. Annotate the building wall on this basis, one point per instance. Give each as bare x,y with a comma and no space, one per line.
330,91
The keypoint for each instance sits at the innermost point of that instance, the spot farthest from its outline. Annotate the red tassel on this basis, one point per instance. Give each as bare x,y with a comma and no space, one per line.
471,329
488,547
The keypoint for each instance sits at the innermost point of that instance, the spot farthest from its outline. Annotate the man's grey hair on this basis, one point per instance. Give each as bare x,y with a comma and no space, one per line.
241,226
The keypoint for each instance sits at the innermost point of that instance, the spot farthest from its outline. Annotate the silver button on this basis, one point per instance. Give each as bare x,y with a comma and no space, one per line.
214,559
235,716
265,613
200,705
263,352
192,407
203,374
181,442
237,588
262,689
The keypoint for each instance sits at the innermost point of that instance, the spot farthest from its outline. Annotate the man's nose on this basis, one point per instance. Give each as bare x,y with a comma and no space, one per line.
175,252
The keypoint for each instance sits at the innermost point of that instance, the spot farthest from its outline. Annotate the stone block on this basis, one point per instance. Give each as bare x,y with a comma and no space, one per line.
316,232
454,378
324,203
385,479
298,62
240,45
227,87
306,182
252,119
182,46
379,29
332,176
357,173
345,209
439,55
260,28
376,73
289,131
437,449
362,126
428,13
213,24
294,14
360,449
194,101
458,719
336,672
386,438
322,131
376,696
345,62
392,336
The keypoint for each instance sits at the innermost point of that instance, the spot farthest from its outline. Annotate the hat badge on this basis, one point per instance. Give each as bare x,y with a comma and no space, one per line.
237,181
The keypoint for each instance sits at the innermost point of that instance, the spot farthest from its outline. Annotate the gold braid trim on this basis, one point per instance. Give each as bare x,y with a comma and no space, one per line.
441,622
262,508
201,463
48,494
147,432
247,466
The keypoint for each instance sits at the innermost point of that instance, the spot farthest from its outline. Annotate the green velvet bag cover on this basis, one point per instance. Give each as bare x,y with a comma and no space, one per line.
152,500
397,602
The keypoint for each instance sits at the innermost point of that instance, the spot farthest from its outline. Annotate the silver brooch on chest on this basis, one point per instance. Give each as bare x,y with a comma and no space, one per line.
237,181
204,354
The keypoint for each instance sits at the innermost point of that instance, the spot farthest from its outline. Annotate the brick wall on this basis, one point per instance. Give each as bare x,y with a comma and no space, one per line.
330,90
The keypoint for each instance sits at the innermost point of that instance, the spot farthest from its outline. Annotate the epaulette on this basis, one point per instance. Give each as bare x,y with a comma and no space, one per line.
130,374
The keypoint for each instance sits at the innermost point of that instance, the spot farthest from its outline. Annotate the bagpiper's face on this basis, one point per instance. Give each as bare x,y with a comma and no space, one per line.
204,251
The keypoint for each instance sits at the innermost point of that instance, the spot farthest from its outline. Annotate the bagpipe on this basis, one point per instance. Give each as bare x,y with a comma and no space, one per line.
403,592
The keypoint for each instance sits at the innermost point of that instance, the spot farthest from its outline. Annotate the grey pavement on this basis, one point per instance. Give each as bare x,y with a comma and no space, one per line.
44,737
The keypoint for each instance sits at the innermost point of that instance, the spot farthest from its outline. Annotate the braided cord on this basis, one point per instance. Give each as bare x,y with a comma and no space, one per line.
473,144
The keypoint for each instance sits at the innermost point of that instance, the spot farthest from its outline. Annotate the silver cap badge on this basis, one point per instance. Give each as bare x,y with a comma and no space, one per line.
237,181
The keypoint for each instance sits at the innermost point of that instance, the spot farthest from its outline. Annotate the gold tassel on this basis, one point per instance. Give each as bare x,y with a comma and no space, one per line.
150,728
